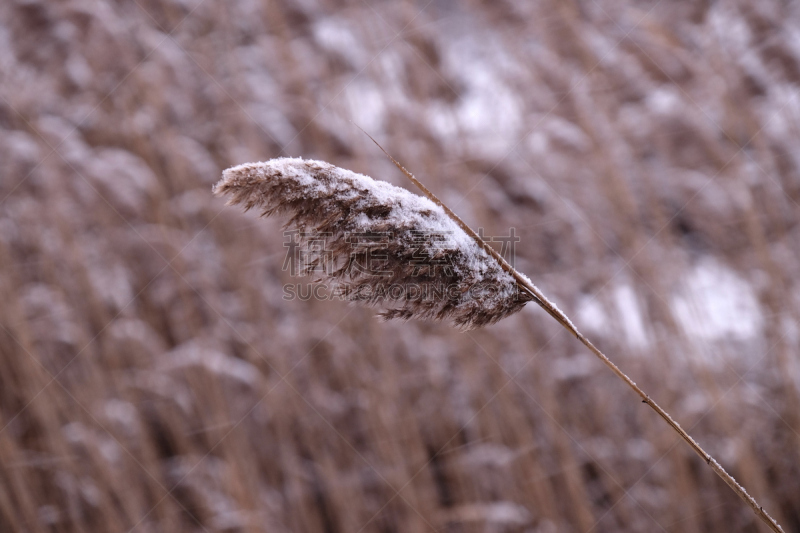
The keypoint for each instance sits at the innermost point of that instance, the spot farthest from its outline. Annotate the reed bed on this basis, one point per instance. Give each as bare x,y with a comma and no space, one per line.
153,378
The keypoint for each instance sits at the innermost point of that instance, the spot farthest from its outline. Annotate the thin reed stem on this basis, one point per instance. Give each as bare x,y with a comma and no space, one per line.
562,319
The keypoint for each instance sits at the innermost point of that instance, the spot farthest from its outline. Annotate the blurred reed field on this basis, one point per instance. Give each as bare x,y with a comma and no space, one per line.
153,378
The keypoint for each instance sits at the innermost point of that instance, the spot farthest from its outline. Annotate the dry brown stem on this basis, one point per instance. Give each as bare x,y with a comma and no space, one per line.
562,319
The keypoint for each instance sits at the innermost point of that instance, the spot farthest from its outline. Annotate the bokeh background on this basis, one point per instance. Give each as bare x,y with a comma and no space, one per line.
152,377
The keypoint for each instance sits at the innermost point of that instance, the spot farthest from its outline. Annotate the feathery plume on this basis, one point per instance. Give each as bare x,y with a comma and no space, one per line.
379,244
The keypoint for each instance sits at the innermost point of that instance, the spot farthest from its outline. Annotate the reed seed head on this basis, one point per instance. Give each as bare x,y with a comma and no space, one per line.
378,244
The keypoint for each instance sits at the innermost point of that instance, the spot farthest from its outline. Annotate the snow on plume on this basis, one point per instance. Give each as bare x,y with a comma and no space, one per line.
378,244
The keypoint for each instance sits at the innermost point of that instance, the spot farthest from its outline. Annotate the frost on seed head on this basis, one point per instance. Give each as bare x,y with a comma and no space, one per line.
379,244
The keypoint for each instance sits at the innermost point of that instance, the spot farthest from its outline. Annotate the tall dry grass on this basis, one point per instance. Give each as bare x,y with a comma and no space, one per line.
154,379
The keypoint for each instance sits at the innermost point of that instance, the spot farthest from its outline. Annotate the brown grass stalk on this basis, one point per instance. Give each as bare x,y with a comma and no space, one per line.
335,202
561,318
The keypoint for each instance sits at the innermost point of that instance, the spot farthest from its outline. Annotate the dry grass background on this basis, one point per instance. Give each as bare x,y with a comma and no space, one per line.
153,379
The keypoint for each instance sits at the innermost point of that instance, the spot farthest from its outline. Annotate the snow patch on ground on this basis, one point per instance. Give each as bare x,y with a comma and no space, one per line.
716,303
630,315
624,316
